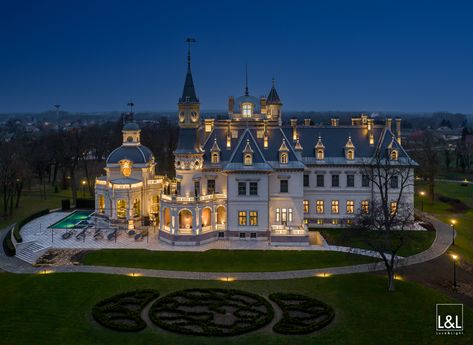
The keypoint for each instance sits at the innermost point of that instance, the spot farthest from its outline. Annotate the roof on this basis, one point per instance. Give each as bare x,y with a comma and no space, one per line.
247,99
188,93
187,142
138,154
131,126
125,180
273,97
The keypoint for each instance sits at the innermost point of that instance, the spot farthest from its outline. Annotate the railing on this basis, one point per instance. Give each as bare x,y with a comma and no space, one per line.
207,228
184,231
285,230
220,227
187,199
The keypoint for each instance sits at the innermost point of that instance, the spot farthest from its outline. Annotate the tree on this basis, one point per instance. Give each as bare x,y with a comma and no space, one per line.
390,210
426,154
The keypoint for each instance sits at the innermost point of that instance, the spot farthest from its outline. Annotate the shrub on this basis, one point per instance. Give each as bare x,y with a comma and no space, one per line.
19,225
196,312
8,246
87,204
122,312
456,204
301,314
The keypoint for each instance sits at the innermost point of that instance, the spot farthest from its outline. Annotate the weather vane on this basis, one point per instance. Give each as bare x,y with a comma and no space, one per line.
189,40
130,104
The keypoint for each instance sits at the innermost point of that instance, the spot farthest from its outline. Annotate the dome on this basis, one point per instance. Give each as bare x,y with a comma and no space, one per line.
131,126
138,154
247,99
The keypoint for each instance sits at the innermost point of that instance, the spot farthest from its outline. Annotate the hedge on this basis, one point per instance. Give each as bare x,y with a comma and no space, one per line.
8,246
194,312
301,314
87,204
122,312
19,225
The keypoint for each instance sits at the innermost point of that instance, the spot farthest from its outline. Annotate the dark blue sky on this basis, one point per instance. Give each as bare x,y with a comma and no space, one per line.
325,55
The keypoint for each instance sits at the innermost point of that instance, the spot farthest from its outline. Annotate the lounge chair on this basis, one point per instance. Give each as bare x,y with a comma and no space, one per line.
67,234
111,236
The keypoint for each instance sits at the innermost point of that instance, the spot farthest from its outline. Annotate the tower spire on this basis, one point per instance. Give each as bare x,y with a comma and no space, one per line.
246,80
188,94
189,40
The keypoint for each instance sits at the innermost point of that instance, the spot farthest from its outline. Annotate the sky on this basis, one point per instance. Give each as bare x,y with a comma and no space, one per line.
91,56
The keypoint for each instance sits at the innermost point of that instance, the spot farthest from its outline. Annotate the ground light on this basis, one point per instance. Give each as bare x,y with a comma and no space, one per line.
323,275
452,223
227,279
455,258
45,271
134,274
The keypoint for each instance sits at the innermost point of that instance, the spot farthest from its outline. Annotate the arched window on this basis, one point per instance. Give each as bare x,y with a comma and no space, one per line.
248,159
101,207
215,157
121,209
320,154
350,155
136,208
246,109
394,155
284,158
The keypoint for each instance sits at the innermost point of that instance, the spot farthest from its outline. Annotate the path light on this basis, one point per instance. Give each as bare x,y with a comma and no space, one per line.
452,223
398,277
134,274
45,271
323,275
227,279
422,194
455,259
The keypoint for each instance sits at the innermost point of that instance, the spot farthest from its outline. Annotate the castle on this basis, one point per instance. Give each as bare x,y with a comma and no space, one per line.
247,176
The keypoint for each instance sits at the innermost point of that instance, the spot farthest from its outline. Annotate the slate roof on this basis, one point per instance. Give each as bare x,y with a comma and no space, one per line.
273,97
131,126
187,141
138,154
188,93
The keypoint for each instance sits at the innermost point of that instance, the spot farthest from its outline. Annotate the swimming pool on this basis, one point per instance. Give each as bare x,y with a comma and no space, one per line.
72,221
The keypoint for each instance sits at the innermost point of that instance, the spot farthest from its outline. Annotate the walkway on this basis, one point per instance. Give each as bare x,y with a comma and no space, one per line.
439,246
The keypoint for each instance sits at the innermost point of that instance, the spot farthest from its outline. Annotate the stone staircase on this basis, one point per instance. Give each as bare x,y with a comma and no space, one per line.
30,252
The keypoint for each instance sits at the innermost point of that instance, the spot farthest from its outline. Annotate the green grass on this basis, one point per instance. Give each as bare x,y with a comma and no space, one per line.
443,211
415,241
56,309
223,260
31,202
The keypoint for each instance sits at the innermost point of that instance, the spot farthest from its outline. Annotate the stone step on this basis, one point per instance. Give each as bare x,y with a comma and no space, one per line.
31,253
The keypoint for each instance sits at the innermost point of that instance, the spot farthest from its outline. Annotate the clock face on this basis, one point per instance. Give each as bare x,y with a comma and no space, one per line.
125,167
182,116
194,116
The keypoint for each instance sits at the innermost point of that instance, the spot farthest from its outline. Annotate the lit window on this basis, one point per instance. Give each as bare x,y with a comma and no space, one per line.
155,204
394,155
215,157
284,215
350,155
248,159
242,218
234,133
246,109
121,209
306,206
350,206
334,221
101,203
136,208
320,154
208,127
320,221
278,215
289,214
393,207
319,206
365,206
284,158
335,206
253,218
260,134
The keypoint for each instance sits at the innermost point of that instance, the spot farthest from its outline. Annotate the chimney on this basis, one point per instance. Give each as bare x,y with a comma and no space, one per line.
334,121
307,122
370,130
389,122
398,130
231,104
294,128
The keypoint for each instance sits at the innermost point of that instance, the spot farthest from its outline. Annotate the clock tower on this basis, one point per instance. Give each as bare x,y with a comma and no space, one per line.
189,106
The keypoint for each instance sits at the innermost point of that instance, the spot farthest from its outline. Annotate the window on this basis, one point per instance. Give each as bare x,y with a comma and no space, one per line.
320,180
320,154
305,203
283,186
394,155
101,203
242,235
210,186
334,221
393,207
248,159
350,155
221,234
306,180
196,188
278,215
289,214
241,188
320,221
253,188
246,109
350,180
284,158
136,208
350,206
335,180
242,218
253,218
365,181
155,204
253,235
260,134
394,182
335,206
284,215
319,206
215,157
234,134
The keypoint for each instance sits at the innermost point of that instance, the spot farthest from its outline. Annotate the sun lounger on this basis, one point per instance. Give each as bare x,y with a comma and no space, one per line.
111,236
67,234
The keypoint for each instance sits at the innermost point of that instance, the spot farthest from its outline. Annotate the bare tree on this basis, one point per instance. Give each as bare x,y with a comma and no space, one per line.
391,208
427,154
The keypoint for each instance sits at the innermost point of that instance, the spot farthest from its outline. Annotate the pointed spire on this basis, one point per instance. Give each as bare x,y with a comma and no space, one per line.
349,143
215,147
248,148
298,146
188,93
320,144
246,80
283,146
273,97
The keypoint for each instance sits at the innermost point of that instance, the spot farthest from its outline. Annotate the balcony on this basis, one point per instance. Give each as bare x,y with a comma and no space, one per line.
287,230
191,199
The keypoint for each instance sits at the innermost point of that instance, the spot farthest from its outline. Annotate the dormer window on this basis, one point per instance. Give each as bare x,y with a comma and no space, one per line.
215,157
248,159
284,158
320,154
246,109
320,150
394,155
350,155
349,150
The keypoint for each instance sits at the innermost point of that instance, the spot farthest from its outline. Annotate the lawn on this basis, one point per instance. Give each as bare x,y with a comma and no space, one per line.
56,309
31,201
444,211
223,260
415,241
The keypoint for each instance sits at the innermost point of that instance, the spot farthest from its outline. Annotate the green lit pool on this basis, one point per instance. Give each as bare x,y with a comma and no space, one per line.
72,221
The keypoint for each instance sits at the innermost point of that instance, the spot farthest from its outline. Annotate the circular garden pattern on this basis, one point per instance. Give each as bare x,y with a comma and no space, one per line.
122,312
219,312
301,314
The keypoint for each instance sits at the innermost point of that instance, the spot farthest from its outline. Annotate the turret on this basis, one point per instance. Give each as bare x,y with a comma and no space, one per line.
273,106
